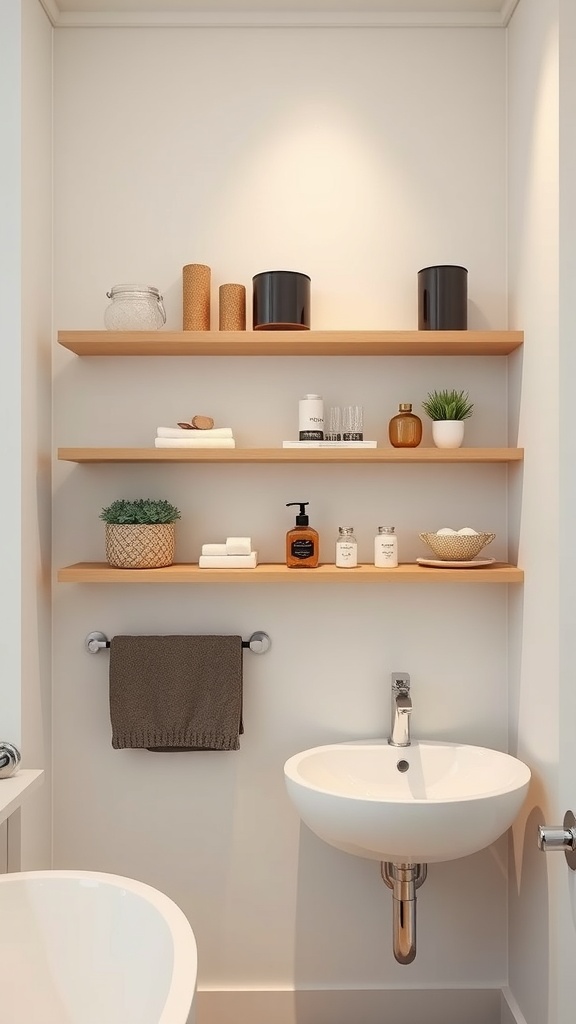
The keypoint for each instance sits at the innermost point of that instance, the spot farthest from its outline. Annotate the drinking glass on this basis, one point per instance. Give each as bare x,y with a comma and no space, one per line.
334,431
352,423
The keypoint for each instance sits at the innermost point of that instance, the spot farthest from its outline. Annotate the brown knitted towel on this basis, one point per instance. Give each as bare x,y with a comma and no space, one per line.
176,692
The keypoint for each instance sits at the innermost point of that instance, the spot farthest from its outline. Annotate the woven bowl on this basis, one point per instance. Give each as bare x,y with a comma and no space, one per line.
456,547
140,545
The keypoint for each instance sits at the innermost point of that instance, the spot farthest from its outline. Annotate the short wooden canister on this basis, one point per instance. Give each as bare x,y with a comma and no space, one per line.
196,297
232,307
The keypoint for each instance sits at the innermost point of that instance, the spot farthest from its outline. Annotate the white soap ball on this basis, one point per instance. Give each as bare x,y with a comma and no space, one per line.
467,531
444,531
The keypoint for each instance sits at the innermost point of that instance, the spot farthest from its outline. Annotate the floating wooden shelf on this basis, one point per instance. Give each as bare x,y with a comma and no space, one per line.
101,572
290,455
291,343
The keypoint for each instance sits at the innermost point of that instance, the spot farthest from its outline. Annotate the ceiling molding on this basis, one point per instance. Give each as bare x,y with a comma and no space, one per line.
508,8
52,10
277,19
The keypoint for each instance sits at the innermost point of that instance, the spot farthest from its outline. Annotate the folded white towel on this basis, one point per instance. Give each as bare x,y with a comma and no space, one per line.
200,442
229,561
213,549
182,432
238,545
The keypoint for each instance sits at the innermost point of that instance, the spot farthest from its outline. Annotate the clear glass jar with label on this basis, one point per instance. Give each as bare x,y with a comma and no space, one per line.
386,548
134,307
346,548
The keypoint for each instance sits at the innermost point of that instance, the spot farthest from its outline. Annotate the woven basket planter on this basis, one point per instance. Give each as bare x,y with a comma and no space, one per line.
140,546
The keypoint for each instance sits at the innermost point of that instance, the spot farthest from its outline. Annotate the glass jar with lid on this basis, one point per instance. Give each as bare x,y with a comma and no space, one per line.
386,548
346,548
134,307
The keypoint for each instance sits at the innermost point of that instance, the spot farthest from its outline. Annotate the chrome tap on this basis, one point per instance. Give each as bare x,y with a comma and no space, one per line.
401,710
10,758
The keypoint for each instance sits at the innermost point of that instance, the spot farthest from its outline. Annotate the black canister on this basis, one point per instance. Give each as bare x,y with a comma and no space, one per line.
443,299
281,301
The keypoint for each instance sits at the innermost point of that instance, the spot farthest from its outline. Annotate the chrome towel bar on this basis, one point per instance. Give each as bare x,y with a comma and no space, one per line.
258,643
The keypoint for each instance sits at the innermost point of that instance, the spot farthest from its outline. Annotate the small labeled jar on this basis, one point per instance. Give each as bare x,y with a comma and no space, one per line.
134,307
311,418
405,428
346,548
386,548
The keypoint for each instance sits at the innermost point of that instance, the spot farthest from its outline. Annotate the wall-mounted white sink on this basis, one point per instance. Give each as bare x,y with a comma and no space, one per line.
430,801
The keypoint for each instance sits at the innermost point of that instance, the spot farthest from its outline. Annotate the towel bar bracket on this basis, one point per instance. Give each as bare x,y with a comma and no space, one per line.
95,642
258,643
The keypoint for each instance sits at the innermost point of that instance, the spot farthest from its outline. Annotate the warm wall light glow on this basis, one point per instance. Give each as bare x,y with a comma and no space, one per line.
313,171
315,193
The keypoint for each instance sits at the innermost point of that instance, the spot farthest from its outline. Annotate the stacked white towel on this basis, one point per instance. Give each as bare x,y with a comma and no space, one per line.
180,437
236,553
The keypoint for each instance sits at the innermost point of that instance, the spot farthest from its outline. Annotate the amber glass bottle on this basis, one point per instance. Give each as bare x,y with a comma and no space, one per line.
405,428
302,541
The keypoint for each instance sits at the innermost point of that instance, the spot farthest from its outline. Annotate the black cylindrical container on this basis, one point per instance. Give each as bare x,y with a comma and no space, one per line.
281,301
443,299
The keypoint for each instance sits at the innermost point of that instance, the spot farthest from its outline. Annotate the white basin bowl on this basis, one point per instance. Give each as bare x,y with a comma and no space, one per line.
431,801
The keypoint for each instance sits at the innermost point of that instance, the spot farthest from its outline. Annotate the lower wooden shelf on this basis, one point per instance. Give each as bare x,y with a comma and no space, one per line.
101,572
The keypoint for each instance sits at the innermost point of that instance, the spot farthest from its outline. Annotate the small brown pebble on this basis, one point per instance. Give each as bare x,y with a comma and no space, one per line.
186,426
202,422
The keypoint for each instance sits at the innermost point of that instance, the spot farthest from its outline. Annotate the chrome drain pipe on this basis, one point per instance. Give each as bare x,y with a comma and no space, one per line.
404,880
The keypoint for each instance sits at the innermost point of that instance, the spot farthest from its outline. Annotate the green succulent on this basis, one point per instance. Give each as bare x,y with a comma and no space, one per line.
140,511
448,405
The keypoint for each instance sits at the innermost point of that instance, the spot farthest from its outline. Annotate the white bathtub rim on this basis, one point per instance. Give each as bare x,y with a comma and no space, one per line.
179,999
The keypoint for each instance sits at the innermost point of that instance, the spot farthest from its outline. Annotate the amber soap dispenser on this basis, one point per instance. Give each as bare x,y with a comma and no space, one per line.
302,541
405,428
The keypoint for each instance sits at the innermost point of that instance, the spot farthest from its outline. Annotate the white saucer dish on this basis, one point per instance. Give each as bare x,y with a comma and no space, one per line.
438,563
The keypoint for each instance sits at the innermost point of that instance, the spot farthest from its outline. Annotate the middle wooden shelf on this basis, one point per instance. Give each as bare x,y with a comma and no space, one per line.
292,455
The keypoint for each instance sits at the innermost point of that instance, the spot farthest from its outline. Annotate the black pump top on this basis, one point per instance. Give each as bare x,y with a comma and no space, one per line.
302,519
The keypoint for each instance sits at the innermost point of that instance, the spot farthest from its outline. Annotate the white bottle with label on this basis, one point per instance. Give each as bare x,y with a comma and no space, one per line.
311,418
346,548
386,548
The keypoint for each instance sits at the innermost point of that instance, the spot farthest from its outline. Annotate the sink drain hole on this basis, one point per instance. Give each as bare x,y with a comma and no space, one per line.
403,766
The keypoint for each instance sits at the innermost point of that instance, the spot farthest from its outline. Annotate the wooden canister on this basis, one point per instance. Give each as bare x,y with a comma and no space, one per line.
232,307
196,297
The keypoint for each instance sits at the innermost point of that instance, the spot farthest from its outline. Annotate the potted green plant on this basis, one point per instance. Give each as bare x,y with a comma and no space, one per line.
140,533
448,409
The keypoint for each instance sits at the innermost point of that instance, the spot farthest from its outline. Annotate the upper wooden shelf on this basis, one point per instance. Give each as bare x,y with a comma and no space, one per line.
101,572
291,343
367,456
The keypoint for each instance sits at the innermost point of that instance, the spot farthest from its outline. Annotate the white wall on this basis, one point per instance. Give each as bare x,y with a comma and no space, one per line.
566,908
36,397
357,157
10,327
25,410
534,614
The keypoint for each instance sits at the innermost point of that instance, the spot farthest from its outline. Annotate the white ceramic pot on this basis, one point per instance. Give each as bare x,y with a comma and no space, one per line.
448,433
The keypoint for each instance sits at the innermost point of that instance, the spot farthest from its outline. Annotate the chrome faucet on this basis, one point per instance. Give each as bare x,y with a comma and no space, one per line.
10,758
401,710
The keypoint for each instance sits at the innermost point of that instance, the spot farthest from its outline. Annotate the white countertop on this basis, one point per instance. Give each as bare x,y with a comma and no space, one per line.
13,790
